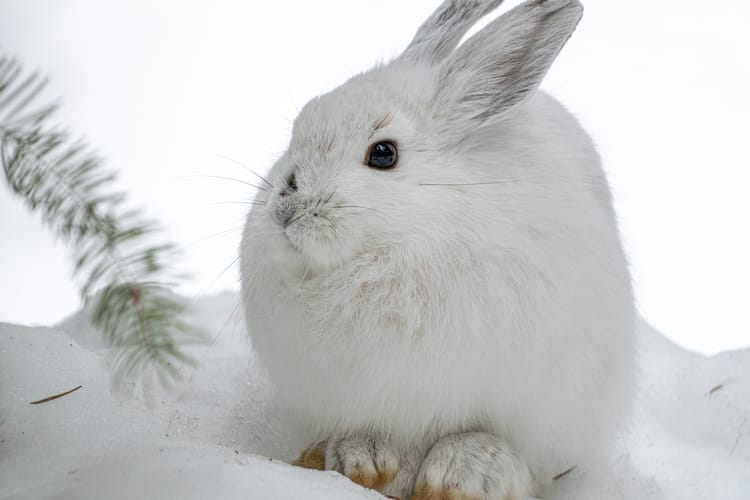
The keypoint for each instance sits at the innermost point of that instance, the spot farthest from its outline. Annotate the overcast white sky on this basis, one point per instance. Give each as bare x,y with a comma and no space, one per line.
166,90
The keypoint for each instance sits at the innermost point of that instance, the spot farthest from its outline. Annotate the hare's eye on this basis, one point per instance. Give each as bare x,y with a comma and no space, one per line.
382,155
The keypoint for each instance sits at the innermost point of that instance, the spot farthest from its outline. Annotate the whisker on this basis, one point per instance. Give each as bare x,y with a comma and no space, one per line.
295,219
332,225
464,183
256,174
288,93
359,206
333,192
216,235
235,311
223,178
257,203
307,269
238,318
213,281
286,119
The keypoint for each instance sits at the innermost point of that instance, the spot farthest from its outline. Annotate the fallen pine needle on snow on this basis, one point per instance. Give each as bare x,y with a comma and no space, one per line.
50,398
564,473
224,426
716,388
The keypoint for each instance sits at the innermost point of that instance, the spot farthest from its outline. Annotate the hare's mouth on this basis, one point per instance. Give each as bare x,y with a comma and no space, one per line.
310,229
316,229
319,241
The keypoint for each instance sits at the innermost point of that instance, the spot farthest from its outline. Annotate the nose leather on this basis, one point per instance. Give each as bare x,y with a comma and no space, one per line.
285,209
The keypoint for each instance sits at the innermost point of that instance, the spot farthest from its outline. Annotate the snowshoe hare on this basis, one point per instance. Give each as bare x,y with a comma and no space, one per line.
435,282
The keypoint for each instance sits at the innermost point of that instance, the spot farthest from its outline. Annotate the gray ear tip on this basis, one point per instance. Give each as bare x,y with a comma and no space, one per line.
568,9
554,5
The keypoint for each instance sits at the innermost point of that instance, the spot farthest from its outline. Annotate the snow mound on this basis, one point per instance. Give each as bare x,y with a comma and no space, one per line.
210,436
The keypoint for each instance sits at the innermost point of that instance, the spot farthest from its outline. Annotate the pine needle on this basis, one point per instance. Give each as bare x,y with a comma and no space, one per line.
115,259
56,396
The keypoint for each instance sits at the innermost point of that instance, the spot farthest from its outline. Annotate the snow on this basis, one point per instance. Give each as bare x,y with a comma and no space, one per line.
217,435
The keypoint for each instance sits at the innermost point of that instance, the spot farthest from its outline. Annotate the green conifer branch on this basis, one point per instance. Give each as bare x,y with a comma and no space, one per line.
114,258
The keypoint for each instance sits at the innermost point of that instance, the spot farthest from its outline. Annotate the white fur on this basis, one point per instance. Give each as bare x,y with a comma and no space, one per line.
418,311
481,464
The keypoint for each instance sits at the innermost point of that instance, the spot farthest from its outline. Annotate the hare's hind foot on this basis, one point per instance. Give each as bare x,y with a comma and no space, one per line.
472,466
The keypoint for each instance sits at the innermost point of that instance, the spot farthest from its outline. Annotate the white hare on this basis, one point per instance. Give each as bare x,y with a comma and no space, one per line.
435,283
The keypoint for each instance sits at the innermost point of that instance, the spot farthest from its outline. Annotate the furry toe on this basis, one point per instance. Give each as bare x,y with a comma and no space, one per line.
472,466
366,460
314,457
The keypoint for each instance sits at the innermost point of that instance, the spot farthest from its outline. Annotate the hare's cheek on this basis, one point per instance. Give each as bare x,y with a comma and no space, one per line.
285,256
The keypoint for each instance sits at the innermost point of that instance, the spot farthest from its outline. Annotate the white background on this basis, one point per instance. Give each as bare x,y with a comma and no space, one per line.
169,90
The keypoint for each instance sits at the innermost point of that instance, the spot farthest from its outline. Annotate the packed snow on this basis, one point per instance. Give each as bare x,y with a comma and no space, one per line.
218,435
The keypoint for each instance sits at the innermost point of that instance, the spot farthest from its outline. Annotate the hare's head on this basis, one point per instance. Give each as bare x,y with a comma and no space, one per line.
364,160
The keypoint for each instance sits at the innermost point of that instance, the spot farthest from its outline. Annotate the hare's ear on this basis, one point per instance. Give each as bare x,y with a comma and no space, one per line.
502,65
442,31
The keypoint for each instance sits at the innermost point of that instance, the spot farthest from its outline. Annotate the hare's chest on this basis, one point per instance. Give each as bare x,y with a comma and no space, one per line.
376,305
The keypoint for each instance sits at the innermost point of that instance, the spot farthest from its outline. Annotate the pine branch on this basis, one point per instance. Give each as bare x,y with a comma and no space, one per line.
69,187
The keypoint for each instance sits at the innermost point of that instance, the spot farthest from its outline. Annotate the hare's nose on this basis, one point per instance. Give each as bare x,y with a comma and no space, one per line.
284,211
291,185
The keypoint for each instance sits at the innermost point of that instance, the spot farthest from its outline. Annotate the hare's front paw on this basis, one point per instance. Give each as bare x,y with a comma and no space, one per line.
472,466
366,459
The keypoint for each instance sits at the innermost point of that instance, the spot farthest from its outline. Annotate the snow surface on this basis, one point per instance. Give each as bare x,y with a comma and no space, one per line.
212,436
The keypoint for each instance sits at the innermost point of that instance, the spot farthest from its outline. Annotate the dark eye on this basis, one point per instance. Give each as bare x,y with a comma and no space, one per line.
382,155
